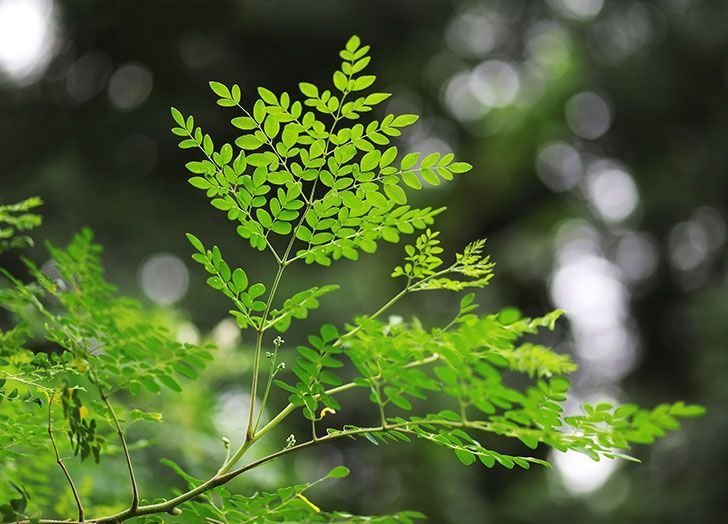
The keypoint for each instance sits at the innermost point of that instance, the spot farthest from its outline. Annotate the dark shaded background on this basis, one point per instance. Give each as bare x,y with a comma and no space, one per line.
598,132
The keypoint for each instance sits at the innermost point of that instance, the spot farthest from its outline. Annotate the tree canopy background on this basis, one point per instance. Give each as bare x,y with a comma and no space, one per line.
598,133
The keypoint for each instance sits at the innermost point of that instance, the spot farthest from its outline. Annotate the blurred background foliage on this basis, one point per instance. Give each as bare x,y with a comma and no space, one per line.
598,133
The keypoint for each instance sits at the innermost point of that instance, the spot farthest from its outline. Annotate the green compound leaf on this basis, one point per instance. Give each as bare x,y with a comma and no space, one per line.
290,150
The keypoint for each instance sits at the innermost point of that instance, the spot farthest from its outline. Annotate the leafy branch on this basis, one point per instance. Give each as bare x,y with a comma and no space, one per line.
310,183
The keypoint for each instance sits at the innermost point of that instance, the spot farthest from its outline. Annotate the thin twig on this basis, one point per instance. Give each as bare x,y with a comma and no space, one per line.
259,347
269,384
59,460
127,457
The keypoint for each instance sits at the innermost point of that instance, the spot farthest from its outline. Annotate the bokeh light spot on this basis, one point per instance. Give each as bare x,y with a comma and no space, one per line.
637,256
548,45
577,9
688,244
581,475
461,100
226,334
130,86
611,191
588,115
187,333
495,83
87,77
164,278
559,166
475,32
198,50
27,38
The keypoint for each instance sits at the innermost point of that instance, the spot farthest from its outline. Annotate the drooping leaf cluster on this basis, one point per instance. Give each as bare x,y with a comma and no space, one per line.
74,344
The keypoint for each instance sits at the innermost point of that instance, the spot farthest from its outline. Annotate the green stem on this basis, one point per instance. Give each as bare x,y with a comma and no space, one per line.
125,448
218,480
333,391
259,350
59,460
408,289
267,388
392,301
283,263
235,457
380,405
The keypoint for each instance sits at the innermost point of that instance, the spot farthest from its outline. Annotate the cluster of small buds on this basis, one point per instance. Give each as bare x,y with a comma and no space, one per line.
290,441
278,342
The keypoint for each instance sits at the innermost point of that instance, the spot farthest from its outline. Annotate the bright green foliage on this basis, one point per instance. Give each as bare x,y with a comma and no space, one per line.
298,306
422,264
309,182
17,218
469,363
102,344
233,284
289,504
331,189
314,370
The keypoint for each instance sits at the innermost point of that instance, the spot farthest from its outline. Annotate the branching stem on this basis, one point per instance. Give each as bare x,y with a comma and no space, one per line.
220,479
333,391
259,350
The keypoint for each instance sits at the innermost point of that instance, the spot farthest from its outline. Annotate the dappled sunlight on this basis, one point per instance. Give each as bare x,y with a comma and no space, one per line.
584,139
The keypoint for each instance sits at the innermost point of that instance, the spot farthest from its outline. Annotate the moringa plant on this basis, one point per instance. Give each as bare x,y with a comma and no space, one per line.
310,183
